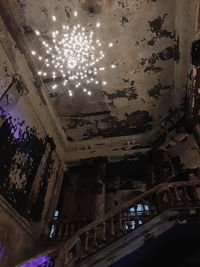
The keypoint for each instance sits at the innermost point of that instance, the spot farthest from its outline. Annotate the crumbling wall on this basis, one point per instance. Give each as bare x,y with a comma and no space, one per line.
27,159
30,156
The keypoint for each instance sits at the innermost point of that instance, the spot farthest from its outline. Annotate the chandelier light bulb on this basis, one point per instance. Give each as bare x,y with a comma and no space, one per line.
110,45
54,18
75,13
98,24
37,32
54,86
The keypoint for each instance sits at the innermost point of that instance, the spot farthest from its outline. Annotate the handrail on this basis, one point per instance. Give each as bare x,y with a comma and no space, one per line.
126,218
47,259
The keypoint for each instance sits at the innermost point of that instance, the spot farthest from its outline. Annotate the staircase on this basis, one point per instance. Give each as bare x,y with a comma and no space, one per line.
166,205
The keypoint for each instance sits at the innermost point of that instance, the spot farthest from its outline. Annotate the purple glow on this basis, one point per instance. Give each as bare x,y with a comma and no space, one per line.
16,127
2,250
38,261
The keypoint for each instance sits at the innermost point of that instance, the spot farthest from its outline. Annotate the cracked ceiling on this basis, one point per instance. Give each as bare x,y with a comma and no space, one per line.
141,103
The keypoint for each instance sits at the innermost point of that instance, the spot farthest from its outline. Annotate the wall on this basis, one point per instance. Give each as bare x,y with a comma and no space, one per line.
125,180
17,239
79,193
185,158
31,154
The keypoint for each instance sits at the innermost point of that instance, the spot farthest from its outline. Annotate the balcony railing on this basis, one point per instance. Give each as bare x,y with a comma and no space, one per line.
62,229
121,221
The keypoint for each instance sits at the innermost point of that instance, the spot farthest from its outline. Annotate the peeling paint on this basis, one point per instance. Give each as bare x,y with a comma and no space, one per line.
21,150
156,27
156,90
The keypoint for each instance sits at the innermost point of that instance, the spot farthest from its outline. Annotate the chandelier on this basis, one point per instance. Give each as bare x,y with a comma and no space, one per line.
72,57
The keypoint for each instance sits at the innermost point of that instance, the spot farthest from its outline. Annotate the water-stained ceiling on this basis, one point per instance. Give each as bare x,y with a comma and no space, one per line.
141,102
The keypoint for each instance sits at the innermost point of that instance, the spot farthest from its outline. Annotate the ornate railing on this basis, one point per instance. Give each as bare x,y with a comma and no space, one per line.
62,229
127,218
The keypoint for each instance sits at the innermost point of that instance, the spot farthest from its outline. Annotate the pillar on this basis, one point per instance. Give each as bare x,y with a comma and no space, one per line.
100,193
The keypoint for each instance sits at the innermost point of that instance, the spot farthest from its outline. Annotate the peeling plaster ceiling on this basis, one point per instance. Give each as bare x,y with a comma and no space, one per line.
140,103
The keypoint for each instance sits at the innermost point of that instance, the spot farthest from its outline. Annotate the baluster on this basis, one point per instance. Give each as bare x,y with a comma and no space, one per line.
57,230
195,194
163,198
170,198
66,233
104,231
136,217
117,225
158,204
144,212
124,225
50,226
112,227
121,226
185,192
128,219
86,241
177,198
60,233
72,228
95,237
78,249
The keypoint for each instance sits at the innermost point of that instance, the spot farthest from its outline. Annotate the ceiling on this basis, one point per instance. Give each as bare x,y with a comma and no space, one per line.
141,103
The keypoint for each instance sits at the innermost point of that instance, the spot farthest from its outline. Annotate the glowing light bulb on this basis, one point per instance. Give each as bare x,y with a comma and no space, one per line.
110,44
33,52
37,32
54,18
89,93
39,72
54,86
98,24
84,90
104,82
113,66
75,13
